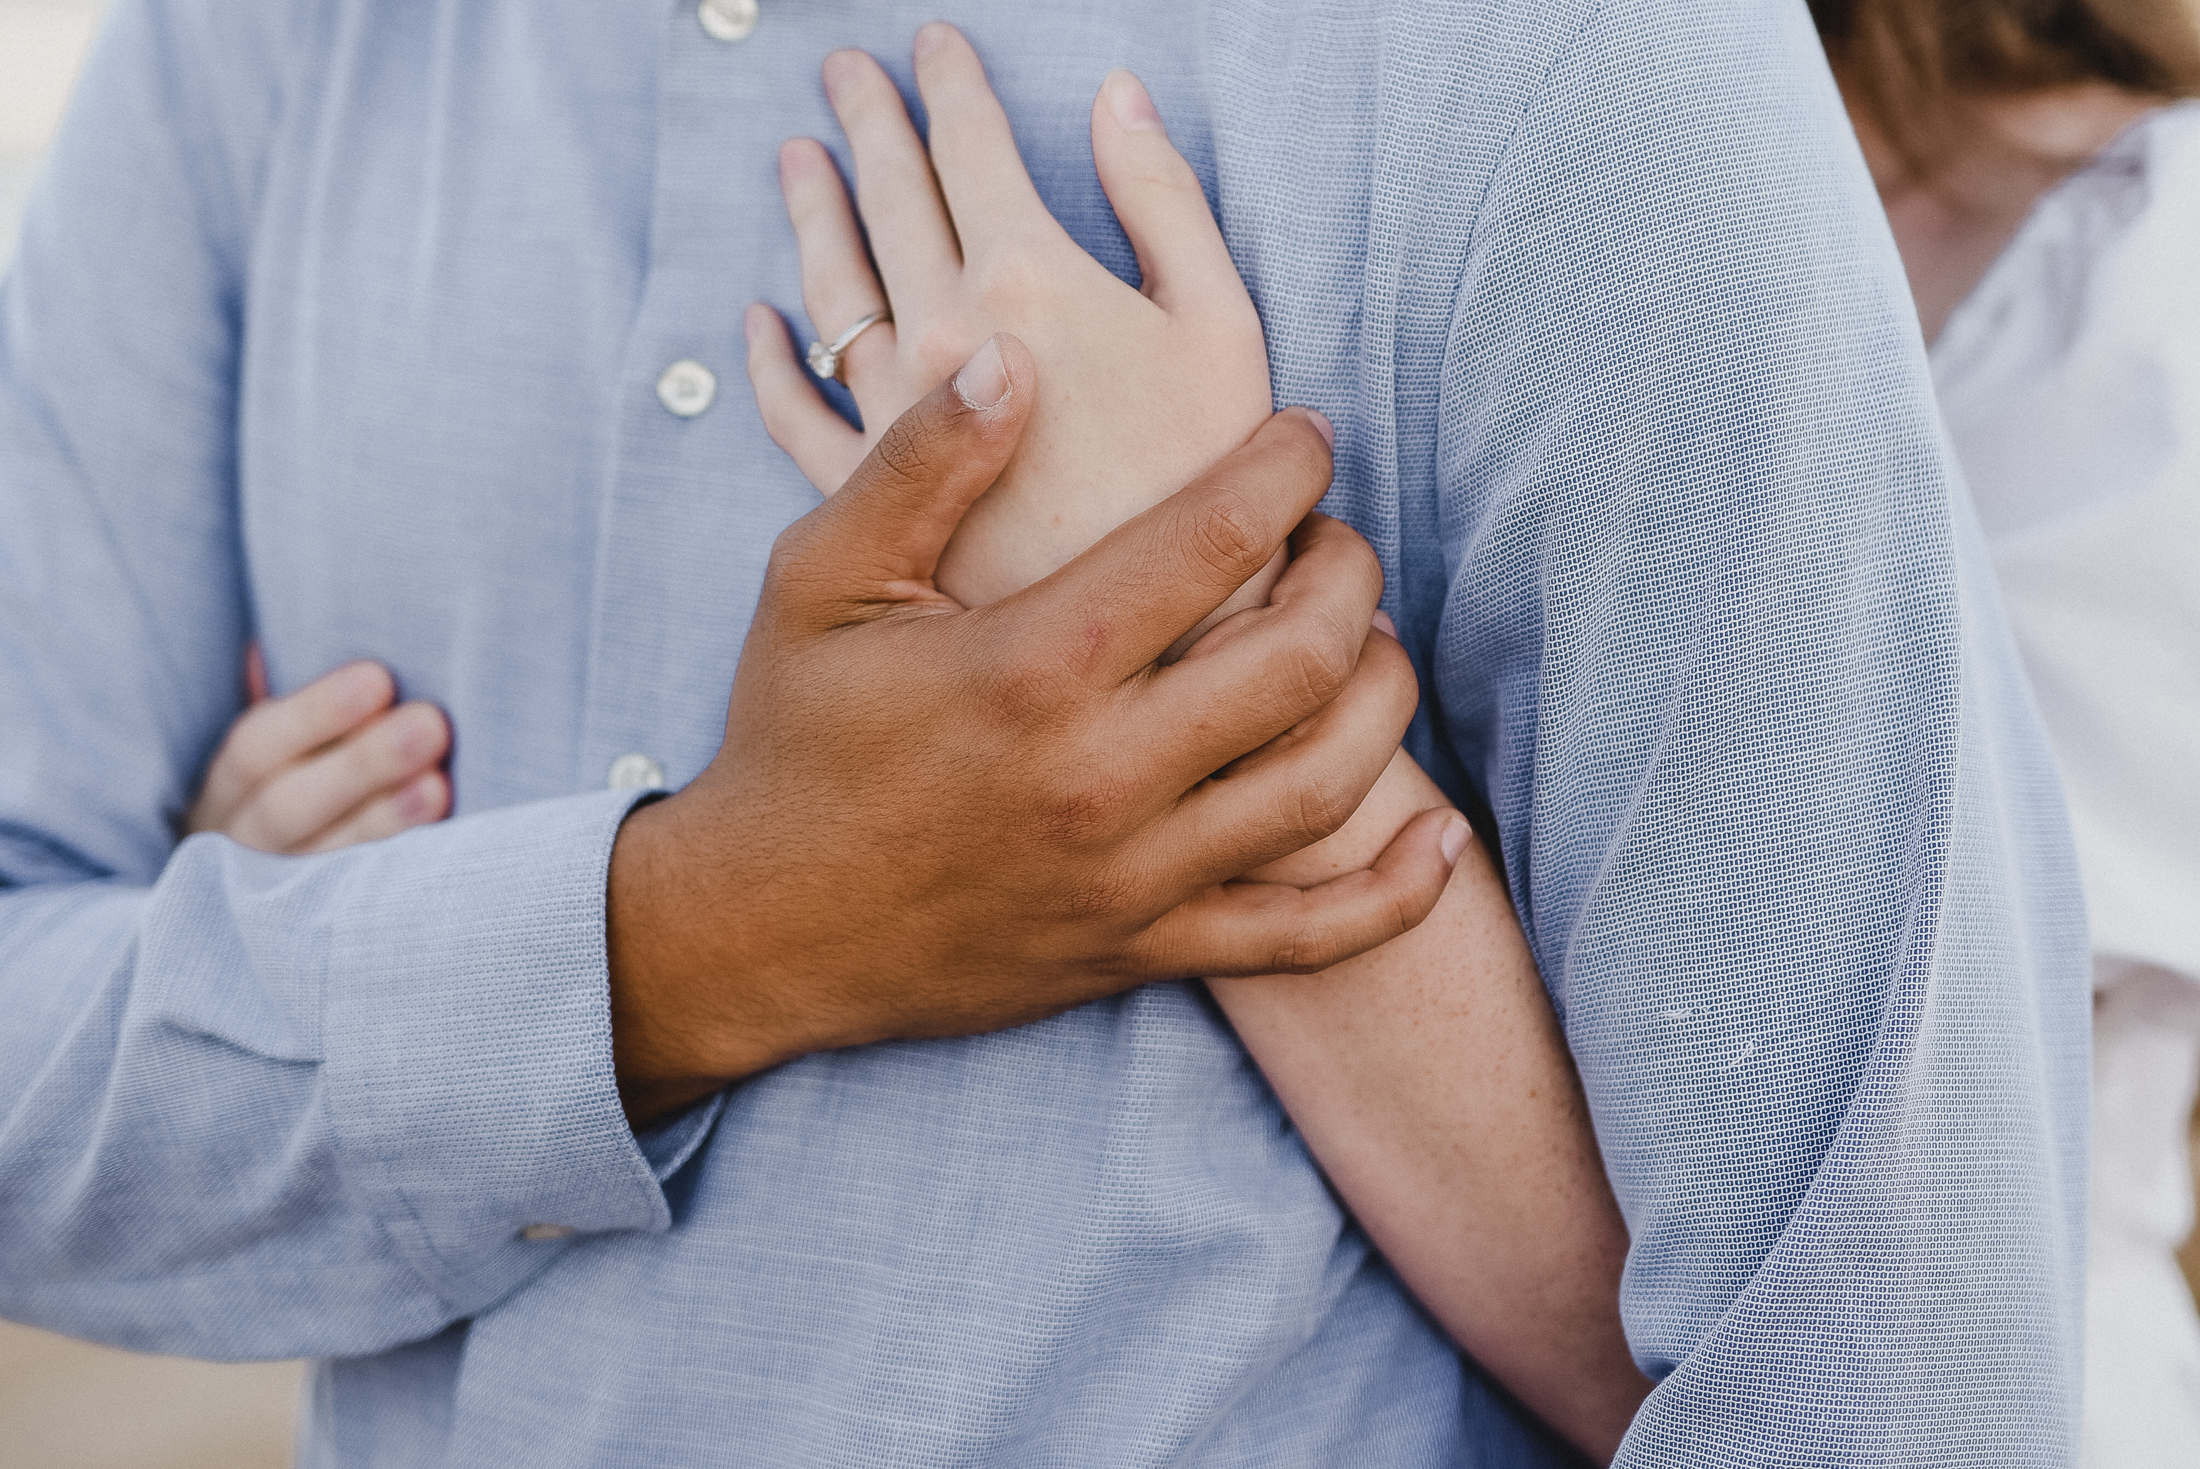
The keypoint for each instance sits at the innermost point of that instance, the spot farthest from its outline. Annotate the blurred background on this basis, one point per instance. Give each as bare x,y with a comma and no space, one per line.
63,1404
41,44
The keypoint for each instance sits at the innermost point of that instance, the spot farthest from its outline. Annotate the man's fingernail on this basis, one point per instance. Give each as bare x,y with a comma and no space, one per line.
983,382
1321,422
1456,832
1384,624
1129,102
929,38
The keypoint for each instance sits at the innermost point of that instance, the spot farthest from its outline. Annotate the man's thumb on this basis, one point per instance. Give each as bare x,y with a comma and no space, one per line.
889,523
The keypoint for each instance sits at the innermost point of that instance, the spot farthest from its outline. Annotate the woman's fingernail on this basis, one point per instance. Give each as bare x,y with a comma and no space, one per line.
1321,422
839,70
365,687
983,382
752,321
421,800
1456,832
1384,624
418,732
795,161
1129,102
929,38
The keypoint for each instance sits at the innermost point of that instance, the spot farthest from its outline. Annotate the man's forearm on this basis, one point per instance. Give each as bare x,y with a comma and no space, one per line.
261,1075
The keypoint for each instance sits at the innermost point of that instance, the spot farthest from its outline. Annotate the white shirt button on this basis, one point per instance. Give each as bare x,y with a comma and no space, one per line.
728,20
535,1234
687,388
635,772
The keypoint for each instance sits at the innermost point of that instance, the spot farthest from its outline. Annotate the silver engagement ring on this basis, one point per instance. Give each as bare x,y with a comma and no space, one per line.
825,361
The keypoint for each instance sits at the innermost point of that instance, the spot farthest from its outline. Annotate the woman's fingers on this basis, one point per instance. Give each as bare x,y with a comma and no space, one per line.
304,800
1158,199
421,800
894,185
275,733
989,195
819,440
255,675
838,286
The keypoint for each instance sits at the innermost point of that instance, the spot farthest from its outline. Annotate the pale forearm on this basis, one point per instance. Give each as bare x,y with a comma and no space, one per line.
1433,1085
1431,1081
1146,389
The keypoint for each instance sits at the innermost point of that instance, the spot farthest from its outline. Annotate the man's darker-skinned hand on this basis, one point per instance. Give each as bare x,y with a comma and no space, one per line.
928,820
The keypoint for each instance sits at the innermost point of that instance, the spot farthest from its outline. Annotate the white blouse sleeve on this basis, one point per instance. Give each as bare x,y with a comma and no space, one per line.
2070,384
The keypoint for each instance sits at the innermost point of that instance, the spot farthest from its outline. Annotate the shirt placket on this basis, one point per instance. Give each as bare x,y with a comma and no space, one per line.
696,491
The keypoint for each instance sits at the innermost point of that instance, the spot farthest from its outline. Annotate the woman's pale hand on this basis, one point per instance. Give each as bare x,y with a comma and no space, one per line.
328,766
1145,388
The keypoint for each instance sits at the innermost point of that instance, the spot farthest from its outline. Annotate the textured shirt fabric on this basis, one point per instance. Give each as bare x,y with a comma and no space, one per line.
336,324
2070,381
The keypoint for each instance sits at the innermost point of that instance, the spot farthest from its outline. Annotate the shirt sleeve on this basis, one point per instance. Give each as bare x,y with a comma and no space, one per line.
249,1106
1720,644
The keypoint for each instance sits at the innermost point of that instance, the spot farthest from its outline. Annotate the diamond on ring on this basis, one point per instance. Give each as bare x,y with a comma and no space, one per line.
825,361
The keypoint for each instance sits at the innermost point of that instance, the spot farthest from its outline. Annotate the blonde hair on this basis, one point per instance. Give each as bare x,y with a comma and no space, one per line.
1917,68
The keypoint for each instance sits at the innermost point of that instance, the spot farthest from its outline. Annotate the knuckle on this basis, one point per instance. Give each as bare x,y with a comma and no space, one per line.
789,548
1022,690
1309,948
1012,274
1318,668
1241,331
1324,805
905,451
800,558
1227,535
1355,557
938,350
1392,667
1403,909
1083,809
1100,896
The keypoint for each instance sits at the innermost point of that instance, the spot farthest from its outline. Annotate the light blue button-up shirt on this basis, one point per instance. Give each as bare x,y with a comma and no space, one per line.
337,324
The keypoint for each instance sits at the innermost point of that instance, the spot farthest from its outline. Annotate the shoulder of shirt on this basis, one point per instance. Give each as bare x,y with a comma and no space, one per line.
2140,195
2120,235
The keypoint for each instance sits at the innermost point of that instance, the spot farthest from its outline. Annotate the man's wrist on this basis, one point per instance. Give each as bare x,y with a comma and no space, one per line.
683,1022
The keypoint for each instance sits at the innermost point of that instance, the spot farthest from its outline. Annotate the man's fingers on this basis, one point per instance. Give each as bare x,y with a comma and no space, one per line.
879,540
425,798
1158,574
1266,928
1157,197
894,185
989,194
1306,783
1268,668
819,440
306,799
